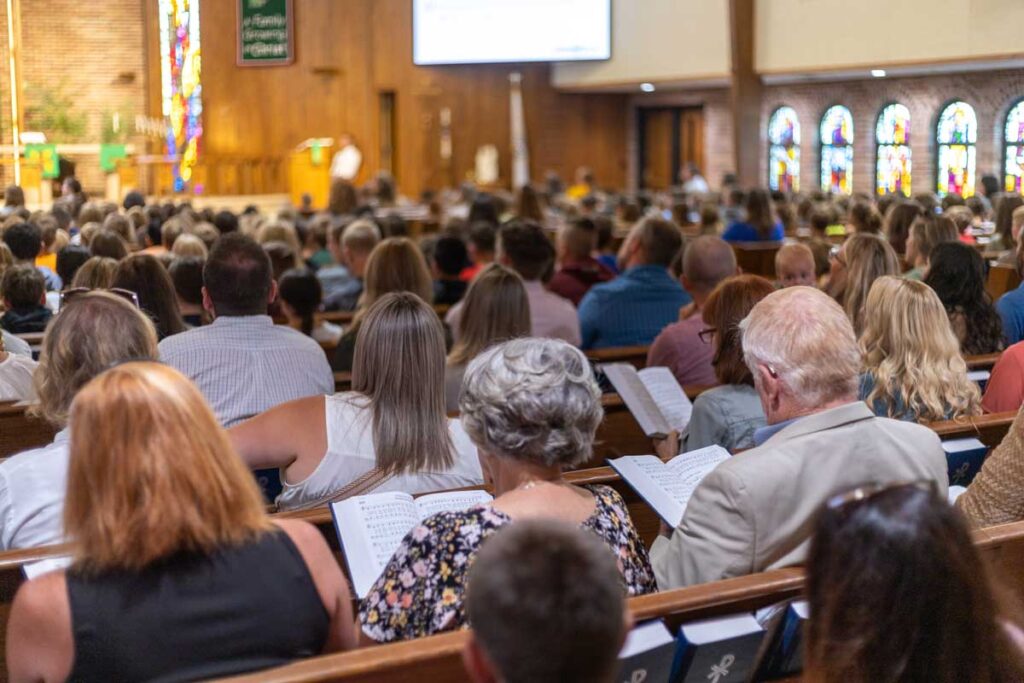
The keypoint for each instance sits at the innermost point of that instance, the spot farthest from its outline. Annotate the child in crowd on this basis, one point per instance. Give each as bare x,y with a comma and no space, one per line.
794,265
300,300
24,295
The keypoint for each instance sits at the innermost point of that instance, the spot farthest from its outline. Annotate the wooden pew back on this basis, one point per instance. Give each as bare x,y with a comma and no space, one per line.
757,258
1001,279
19,431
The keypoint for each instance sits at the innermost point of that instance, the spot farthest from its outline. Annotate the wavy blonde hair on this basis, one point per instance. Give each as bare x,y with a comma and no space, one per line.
911,353
92,332
163,480
868,257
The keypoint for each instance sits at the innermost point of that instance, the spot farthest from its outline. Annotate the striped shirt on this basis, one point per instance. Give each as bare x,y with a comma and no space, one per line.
247,364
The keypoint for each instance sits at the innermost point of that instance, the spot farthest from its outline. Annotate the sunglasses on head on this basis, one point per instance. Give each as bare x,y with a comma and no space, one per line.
70,294
843,504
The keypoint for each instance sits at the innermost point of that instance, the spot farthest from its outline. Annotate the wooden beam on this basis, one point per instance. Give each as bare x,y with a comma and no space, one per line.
745,96
14,64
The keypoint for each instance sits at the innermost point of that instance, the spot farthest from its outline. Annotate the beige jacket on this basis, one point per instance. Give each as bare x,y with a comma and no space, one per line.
996,496
756,510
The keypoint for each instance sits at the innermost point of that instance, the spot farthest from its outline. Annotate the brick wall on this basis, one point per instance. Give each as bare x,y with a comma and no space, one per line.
97,50
990,93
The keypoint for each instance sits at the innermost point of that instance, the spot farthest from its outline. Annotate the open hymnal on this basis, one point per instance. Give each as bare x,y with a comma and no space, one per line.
654,397
372,527
667,486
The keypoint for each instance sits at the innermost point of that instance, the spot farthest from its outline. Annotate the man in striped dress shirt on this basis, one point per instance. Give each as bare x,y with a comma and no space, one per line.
243,363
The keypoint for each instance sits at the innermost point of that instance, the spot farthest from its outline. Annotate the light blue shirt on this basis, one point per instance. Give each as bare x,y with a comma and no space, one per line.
762,434
631,309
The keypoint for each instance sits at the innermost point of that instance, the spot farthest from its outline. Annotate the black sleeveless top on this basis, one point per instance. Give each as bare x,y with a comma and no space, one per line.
197,616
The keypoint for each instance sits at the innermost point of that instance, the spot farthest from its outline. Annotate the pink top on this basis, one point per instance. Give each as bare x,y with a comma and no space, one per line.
1005,388
680,350
550,315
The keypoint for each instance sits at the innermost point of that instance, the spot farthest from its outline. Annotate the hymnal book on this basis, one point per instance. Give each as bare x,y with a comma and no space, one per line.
981,377
717,650
50,564
647,654
667,486
654,397
782,654
371,527
964,458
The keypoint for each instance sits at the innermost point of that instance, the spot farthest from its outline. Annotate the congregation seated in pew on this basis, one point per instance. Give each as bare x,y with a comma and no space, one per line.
77,347
351,244
496,309
545,604
957,274
242,362
532,408
171,543
913,369
149,280
752,512
387,434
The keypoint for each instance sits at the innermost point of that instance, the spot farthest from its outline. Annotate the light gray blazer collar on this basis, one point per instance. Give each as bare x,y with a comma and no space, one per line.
855,411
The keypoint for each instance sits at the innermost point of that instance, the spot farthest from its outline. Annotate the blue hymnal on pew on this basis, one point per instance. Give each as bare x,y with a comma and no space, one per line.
964,458
717,650
782,656
647,655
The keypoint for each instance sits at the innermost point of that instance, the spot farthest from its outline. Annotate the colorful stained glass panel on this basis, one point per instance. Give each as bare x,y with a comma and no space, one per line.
1014,153
181,85
784,150
956,135
836,132
893,164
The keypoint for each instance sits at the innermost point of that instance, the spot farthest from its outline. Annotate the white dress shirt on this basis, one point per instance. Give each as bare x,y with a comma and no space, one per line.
15,344
245,365
16,378
346,162
32,489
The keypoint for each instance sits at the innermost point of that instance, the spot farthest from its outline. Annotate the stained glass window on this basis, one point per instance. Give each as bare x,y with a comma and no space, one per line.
892,135
1013,154
956,135
784,150
836,132
180,84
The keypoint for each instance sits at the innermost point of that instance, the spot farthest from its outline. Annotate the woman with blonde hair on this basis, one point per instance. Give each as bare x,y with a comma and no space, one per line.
390,433
913,367
96,273
861,260
395,265
93,331
164,517
189,245
279,231
496,309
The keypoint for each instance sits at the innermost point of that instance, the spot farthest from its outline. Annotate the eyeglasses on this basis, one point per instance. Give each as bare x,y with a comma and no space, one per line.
70,294
707,334
843,504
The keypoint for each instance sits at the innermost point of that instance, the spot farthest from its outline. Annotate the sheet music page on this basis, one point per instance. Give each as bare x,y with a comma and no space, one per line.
450,502
654,482
689,469
670,398
371,528
637,398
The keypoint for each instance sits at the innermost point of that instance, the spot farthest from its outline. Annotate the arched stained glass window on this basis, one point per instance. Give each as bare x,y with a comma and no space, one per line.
892,137
955,136
1013,153
784,150
836,132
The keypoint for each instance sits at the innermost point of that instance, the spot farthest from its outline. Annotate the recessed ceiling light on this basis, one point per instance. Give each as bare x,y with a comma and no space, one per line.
878,73
647,87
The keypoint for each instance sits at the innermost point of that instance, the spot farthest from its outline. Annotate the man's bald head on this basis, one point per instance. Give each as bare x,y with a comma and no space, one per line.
708,260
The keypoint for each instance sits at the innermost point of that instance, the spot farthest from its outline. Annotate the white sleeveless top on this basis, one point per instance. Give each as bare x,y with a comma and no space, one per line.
351,454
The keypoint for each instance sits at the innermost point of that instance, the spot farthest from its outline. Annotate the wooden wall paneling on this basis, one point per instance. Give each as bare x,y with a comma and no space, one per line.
746,96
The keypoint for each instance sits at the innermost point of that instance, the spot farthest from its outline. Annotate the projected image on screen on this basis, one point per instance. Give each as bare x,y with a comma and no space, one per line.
489,31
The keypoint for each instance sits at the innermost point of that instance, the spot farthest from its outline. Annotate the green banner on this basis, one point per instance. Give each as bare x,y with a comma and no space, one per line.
46,155
109,154
265,35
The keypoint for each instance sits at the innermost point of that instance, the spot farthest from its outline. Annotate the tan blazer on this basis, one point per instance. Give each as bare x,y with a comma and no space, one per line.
756,510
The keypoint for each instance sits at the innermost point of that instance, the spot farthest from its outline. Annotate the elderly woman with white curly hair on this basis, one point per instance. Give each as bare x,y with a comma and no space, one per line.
532,408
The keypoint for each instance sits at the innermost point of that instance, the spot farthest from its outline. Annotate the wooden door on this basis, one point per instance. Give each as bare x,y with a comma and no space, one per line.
656,167
691,137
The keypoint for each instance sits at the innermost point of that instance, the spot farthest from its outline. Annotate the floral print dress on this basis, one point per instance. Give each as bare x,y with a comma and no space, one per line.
422,589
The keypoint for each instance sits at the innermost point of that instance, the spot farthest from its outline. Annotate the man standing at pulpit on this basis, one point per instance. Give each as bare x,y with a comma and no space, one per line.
347,160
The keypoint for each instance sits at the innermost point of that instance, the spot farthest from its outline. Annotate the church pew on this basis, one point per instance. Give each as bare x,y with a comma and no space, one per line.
989,429
19,431
757,258
342,381
344,318
437,659
985,361
1001,279
634,355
